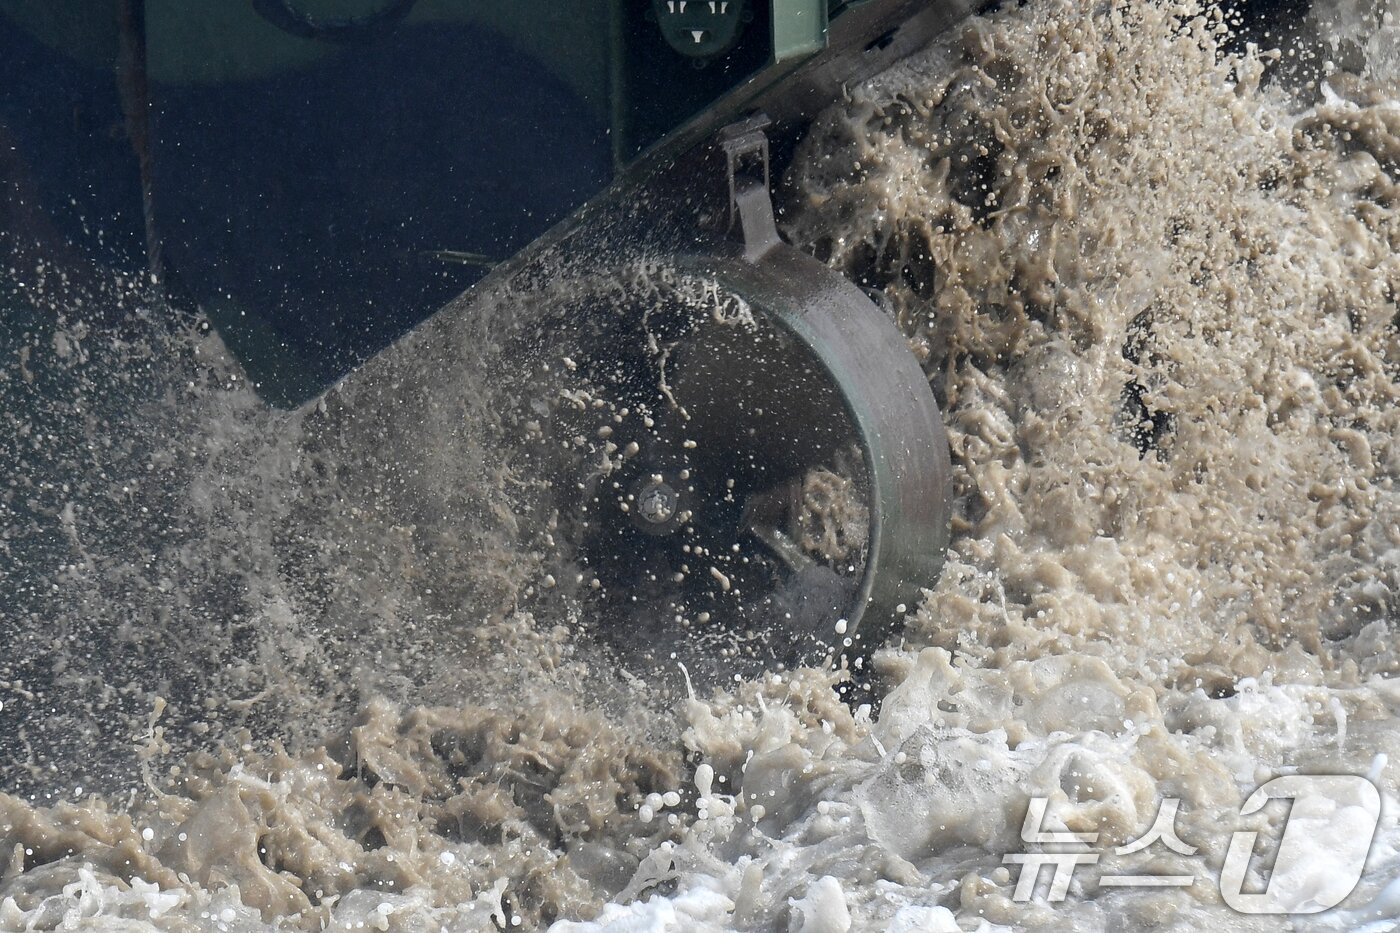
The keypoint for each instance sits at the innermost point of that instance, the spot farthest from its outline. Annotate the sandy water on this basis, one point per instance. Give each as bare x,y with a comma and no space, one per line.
1152,274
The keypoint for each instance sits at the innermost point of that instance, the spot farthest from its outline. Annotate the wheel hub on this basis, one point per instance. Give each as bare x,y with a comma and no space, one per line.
656,504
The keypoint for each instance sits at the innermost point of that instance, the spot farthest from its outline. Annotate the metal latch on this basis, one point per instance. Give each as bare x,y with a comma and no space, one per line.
745,146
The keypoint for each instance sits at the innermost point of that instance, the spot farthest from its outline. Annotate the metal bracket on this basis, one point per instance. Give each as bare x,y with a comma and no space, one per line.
745,146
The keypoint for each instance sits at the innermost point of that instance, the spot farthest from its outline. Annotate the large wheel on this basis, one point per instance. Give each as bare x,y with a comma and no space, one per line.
739,464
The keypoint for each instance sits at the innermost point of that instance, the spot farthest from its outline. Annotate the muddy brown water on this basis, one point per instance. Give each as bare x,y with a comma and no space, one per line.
1152,274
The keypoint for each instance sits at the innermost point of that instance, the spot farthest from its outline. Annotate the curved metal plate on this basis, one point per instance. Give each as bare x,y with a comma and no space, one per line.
889,400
